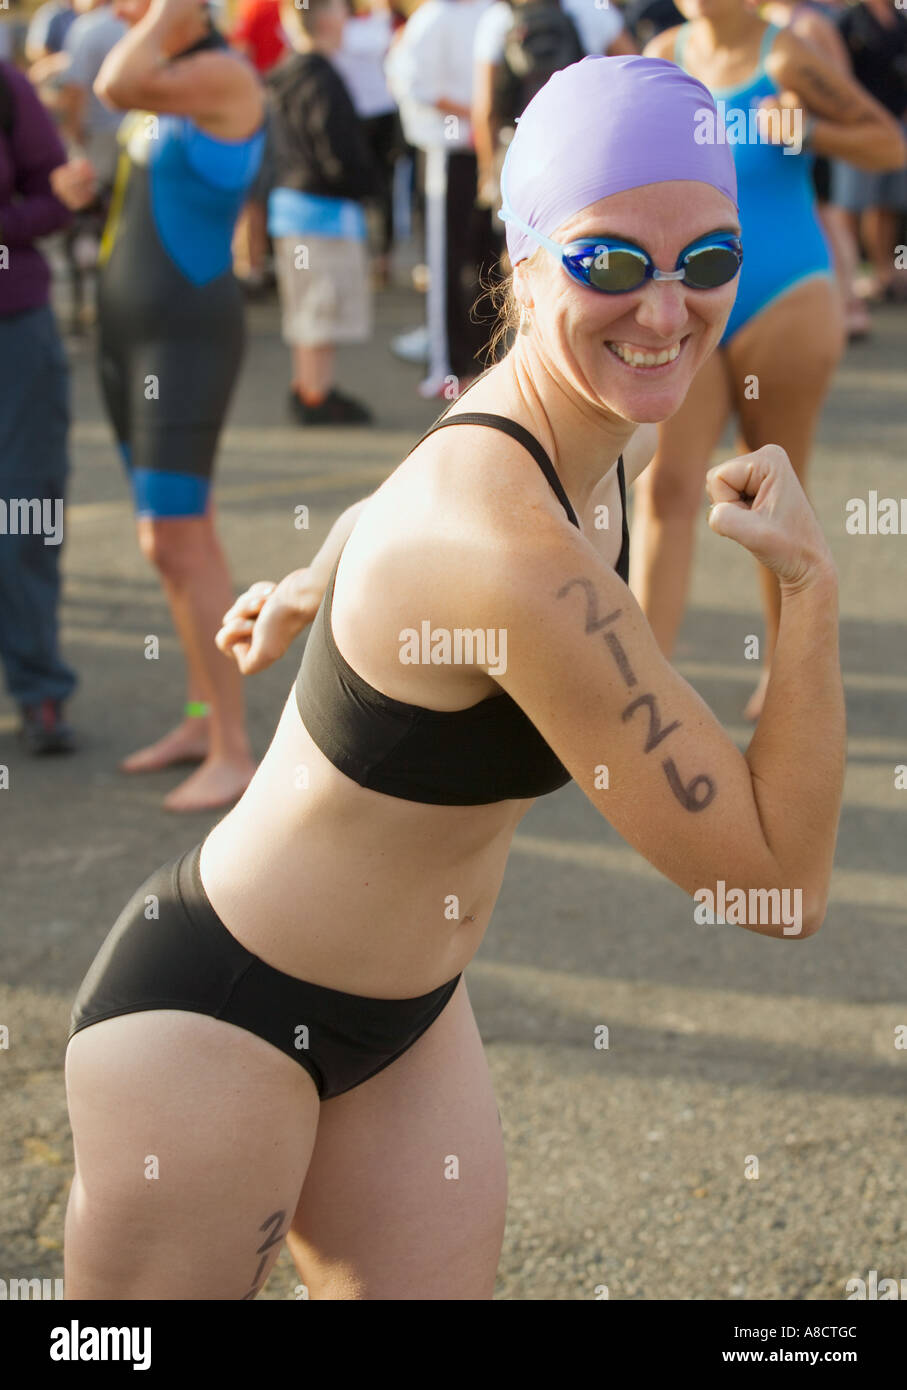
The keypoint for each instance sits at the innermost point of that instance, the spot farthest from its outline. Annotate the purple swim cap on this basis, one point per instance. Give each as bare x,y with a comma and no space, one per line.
601,126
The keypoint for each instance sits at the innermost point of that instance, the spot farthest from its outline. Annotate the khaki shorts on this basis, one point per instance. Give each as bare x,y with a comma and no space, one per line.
325,293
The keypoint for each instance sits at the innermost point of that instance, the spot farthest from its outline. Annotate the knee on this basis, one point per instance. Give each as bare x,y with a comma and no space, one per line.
669,491
175,549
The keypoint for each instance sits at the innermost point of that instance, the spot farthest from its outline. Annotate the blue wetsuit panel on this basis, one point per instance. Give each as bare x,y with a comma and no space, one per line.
198,185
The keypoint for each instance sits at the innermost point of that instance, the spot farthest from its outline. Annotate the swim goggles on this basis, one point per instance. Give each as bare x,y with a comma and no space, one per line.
612,266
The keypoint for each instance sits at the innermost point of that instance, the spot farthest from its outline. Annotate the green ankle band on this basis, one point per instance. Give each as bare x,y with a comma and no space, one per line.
196,709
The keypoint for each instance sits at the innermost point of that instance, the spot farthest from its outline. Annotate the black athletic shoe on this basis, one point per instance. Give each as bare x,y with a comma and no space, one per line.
296,408
336,409
44,730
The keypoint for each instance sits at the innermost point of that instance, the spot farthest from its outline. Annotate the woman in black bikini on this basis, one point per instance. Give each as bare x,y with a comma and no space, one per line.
276,1041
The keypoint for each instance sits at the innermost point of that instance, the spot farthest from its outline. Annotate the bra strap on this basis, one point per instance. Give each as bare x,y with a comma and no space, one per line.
623,558
522,436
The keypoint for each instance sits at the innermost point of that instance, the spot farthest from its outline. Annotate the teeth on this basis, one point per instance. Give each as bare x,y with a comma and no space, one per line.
635,358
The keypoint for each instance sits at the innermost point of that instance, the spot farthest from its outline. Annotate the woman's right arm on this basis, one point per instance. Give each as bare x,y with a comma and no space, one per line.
268,617
584,666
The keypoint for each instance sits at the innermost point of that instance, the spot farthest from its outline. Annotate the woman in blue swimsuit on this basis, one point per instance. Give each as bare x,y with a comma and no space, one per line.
785,335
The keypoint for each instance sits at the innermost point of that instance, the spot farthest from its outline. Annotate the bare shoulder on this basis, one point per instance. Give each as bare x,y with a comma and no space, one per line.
824,87
473,484
218,90
662,45
823,34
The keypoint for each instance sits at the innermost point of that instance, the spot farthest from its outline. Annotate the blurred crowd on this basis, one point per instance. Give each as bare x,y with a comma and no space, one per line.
387,123
435,96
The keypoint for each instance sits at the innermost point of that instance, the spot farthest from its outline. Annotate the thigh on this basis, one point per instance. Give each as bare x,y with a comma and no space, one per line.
191,1142
405,1196
782,364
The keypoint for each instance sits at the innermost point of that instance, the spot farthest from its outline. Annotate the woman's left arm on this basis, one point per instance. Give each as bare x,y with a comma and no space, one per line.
217,90
846,122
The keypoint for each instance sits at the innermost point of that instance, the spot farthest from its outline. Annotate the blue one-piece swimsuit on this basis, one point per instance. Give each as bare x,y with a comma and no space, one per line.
783,241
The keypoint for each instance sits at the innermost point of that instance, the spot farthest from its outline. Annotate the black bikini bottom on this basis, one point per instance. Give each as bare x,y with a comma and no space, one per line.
169,950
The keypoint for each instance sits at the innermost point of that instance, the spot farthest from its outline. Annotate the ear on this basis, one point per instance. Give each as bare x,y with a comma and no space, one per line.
522,287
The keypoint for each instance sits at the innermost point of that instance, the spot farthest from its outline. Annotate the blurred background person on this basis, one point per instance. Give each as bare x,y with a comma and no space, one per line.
875,35
816,24
13,33
785,335
171,339
647,18
47,31
89,129
431,72
323,172
258,34
34,420
360,59
518,46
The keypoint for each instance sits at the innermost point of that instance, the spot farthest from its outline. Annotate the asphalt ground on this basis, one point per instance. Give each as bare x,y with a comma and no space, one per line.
628,1164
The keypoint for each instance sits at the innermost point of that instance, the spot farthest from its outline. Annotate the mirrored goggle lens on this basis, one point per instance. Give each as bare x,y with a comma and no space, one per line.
710,267
612,270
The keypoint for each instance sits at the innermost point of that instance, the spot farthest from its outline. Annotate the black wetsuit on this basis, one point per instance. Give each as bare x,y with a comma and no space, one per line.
170,313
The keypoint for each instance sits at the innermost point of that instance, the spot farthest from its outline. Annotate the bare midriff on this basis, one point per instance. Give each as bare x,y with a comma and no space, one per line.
350,888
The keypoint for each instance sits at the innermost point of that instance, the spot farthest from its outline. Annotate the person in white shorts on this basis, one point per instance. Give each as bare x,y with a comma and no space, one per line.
323,170
600,29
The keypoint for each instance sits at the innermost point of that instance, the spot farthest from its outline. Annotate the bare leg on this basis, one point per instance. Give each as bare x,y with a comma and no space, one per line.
793,348
838,225
313,372
668,496
406,1193
879,235
197,584
192,1138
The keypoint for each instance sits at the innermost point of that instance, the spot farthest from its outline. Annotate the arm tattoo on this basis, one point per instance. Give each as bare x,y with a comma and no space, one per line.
817,81
275,1221
701,791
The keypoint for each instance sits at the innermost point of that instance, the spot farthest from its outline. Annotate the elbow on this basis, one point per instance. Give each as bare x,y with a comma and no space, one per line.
114,94
888,150
810,908
814,911
768,906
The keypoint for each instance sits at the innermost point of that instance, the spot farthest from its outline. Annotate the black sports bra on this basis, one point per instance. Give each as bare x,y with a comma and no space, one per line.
487,752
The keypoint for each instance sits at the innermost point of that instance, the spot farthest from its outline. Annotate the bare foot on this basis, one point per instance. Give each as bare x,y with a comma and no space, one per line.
218,782
757,700
187,743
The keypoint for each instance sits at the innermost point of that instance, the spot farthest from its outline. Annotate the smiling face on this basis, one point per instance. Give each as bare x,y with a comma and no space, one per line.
591,341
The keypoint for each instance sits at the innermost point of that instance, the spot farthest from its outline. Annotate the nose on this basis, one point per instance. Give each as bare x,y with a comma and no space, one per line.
662,308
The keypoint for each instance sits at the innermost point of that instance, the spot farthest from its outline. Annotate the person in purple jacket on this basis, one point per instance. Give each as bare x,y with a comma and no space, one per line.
34,419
